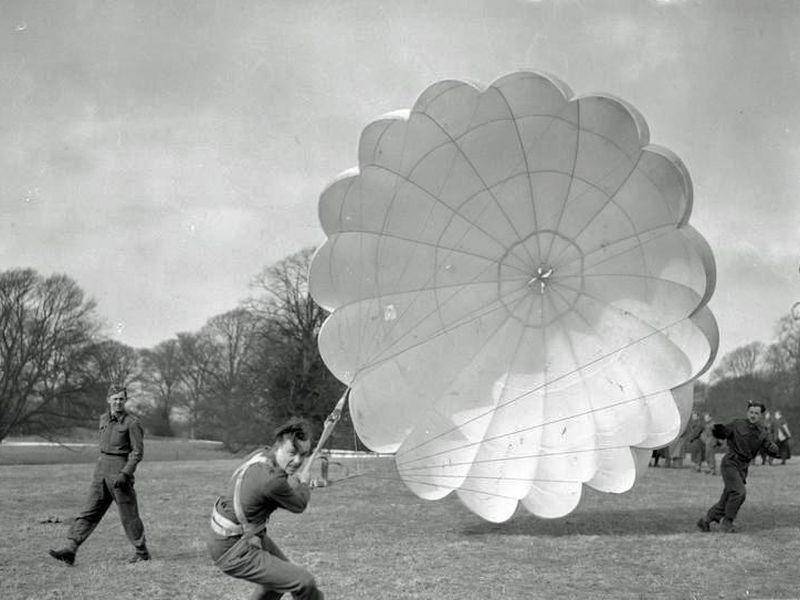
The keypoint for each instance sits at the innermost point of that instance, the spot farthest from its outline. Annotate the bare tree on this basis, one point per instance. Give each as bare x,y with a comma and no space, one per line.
198,356
46,325
300,383
232,336
288,305
783,361
234,407
104,362
162,371
114,362
743,361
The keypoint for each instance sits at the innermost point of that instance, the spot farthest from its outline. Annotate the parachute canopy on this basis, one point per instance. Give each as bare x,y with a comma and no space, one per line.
518,302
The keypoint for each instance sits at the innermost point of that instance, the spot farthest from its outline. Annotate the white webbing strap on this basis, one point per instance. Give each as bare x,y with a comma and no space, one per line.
222,525
330,423
260,457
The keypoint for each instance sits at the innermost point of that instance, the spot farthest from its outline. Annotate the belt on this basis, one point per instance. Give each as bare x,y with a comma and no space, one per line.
222,525
123,454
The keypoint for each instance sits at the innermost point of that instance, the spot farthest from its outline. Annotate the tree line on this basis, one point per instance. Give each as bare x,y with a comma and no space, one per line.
249,368
759,372
241,374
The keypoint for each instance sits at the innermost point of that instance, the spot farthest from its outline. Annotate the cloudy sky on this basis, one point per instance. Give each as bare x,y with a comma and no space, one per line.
162,153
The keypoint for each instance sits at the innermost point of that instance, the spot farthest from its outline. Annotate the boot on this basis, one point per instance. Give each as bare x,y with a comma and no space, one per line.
727,526
141,554
66,554
703,524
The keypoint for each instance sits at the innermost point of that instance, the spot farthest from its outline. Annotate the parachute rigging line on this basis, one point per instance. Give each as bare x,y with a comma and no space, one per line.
517,300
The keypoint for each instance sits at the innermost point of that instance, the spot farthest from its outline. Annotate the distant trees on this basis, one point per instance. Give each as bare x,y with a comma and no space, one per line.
47,327
783,367
161,375
741,362
197,354
299,382
247,369
105,362
235,407
234,380
737,380
760,373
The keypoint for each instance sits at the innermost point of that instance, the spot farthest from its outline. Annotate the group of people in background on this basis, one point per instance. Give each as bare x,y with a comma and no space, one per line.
702,447
779,432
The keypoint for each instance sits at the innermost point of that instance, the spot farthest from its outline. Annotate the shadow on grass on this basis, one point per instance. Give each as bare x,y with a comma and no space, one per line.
646,521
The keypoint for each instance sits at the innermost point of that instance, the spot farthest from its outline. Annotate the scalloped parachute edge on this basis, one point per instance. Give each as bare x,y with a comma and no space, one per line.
702,318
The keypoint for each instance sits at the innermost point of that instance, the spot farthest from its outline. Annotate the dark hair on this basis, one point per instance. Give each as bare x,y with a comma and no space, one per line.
760,405
115,389
296,428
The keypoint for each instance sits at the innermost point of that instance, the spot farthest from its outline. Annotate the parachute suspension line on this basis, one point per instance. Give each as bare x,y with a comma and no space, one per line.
407,465
330,422
462,488
477,312
414,477
543,385
452,179
609,200
481,311
484,492
404,465
666,230
488,189
418,470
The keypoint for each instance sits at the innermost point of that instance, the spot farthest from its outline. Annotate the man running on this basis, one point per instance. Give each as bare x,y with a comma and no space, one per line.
745,437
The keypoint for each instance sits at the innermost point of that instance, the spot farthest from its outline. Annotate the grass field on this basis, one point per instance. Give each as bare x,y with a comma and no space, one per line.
35,451
368,538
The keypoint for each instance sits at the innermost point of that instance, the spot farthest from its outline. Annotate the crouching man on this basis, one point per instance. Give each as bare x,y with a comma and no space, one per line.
266,481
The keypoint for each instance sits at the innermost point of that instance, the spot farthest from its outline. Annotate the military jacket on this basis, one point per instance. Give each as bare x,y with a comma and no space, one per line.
122,436
265,488
744,440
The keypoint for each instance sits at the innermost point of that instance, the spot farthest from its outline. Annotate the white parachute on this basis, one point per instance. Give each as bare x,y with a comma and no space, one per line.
518,303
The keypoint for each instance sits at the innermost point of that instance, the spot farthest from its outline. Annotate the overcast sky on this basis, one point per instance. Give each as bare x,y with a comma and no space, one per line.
162,153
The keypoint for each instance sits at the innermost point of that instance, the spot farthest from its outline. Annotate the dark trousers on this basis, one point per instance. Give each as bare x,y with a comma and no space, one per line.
733,494
101,494
264,565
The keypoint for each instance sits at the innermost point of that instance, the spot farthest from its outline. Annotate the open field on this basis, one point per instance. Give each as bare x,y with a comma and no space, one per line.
34,450
368,538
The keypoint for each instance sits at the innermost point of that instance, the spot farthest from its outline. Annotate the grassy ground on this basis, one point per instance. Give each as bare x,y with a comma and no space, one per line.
20,451
368,538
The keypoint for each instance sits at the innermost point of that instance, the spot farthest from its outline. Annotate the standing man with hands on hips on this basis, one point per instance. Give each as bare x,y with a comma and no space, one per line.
121,449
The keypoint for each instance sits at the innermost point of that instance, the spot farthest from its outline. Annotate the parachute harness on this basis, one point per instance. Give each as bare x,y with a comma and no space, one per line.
223,526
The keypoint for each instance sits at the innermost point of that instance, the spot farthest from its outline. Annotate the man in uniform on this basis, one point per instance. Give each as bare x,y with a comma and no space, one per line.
121,449
745,438
269,479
